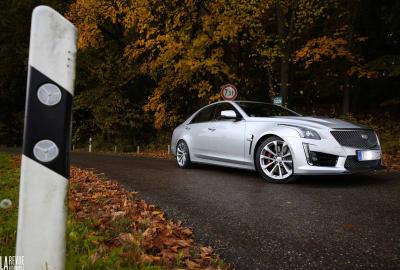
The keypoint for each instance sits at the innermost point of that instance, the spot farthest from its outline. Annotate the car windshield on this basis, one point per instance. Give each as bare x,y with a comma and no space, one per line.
259,109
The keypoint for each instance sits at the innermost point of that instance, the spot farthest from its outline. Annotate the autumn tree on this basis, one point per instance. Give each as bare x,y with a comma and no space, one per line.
153,63
145,65
179,47
338,51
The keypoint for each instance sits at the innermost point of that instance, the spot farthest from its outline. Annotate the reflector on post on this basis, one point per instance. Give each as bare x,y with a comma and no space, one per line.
47,134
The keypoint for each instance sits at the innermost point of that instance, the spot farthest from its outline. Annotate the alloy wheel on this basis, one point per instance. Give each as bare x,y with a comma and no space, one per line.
181,154
276,160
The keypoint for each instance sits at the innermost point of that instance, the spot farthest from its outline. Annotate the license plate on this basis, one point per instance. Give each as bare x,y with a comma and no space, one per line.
363,155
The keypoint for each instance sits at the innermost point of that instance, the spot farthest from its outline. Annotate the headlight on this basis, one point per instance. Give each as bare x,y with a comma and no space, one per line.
304,132
309,133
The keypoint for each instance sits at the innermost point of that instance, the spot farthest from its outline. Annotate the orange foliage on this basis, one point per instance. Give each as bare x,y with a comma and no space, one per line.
162,241
332,48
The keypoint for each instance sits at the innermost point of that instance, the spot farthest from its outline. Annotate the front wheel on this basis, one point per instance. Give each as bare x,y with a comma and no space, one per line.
274,161
182,155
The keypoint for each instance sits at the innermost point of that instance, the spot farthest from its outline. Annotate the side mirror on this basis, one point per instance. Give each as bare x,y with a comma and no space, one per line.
229,114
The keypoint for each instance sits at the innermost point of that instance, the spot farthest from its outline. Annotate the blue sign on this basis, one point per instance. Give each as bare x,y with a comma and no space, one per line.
277,100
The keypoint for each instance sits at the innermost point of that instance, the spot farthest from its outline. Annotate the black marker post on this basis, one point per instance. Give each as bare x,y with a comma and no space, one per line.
47,135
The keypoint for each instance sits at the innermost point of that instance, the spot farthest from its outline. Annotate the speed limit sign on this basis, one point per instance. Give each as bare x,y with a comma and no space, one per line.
229,92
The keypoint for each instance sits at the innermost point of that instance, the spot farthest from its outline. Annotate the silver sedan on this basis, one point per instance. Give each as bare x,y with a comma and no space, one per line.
277,142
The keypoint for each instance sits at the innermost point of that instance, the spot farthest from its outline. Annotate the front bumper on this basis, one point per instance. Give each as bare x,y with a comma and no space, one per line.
336,159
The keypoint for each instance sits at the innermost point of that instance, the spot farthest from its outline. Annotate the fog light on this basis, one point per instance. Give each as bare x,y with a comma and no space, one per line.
308,153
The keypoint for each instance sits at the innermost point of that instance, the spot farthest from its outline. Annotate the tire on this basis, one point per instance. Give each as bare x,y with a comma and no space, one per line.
182,155
274,161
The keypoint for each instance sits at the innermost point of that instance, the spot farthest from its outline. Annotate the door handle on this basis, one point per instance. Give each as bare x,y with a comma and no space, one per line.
187,128
211,129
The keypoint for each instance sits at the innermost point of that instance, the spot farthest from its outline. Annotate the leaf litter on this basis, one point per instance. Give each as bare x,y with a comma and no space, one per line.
144,232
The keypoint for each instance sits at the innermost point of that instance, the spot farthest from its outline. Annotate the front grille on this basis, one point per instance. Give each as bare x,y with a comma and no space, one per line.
362,139
352,164
323,159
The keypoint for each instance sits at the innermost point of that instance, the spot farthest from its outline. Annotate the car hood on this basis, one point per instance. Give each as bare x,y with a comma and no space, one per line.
316,122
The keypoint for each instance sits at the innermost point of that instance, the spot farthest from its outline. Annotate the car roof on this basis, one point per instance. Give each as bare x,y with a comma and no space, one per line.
251,101
238,101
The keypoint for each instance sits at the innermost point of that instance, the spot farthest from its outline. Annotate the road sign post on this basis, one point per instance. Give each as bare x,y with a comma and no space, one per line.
47,135
277,100
229,92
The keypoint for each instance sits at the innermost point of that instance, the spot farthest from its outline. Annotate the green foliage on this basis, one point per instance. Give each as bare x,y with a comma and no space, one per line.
389,65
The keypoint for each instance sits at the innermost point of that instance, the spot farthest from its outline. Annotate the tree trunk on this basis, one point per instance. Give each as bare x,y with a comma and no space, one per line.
271,91
346,98
351,15
355,105
292,73
285,36
285,57
285,79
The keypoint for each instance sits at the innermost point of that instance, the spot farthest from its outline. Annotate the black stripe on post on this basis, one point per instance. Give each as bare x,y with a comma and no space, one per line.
44,122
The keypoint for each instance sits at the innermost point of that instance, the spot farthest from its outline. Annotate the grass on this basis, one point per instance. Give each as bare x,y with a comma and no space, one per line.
83,249
93,243
9,186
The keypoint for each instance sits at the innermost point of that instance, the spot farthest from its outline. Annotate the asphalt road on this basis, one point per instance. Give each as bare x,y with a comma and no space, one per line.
335,222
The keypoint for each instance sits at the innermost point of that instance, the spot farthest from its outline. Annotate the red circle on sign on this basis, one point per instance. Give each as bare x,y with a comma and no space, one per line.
229,92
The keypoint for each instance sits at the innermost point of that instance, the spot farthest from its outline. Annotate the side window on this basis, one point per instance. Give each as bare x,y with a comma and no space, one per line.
204,115
224,107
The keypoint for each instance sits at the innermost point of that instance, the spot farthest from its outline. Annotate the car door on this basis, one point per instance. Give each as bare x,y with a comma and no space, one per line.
198,128
228,136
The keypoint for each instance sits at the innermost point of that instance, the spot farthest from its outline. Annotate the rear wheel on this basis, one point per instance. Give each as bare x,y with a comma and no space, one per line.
274,161
182,155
